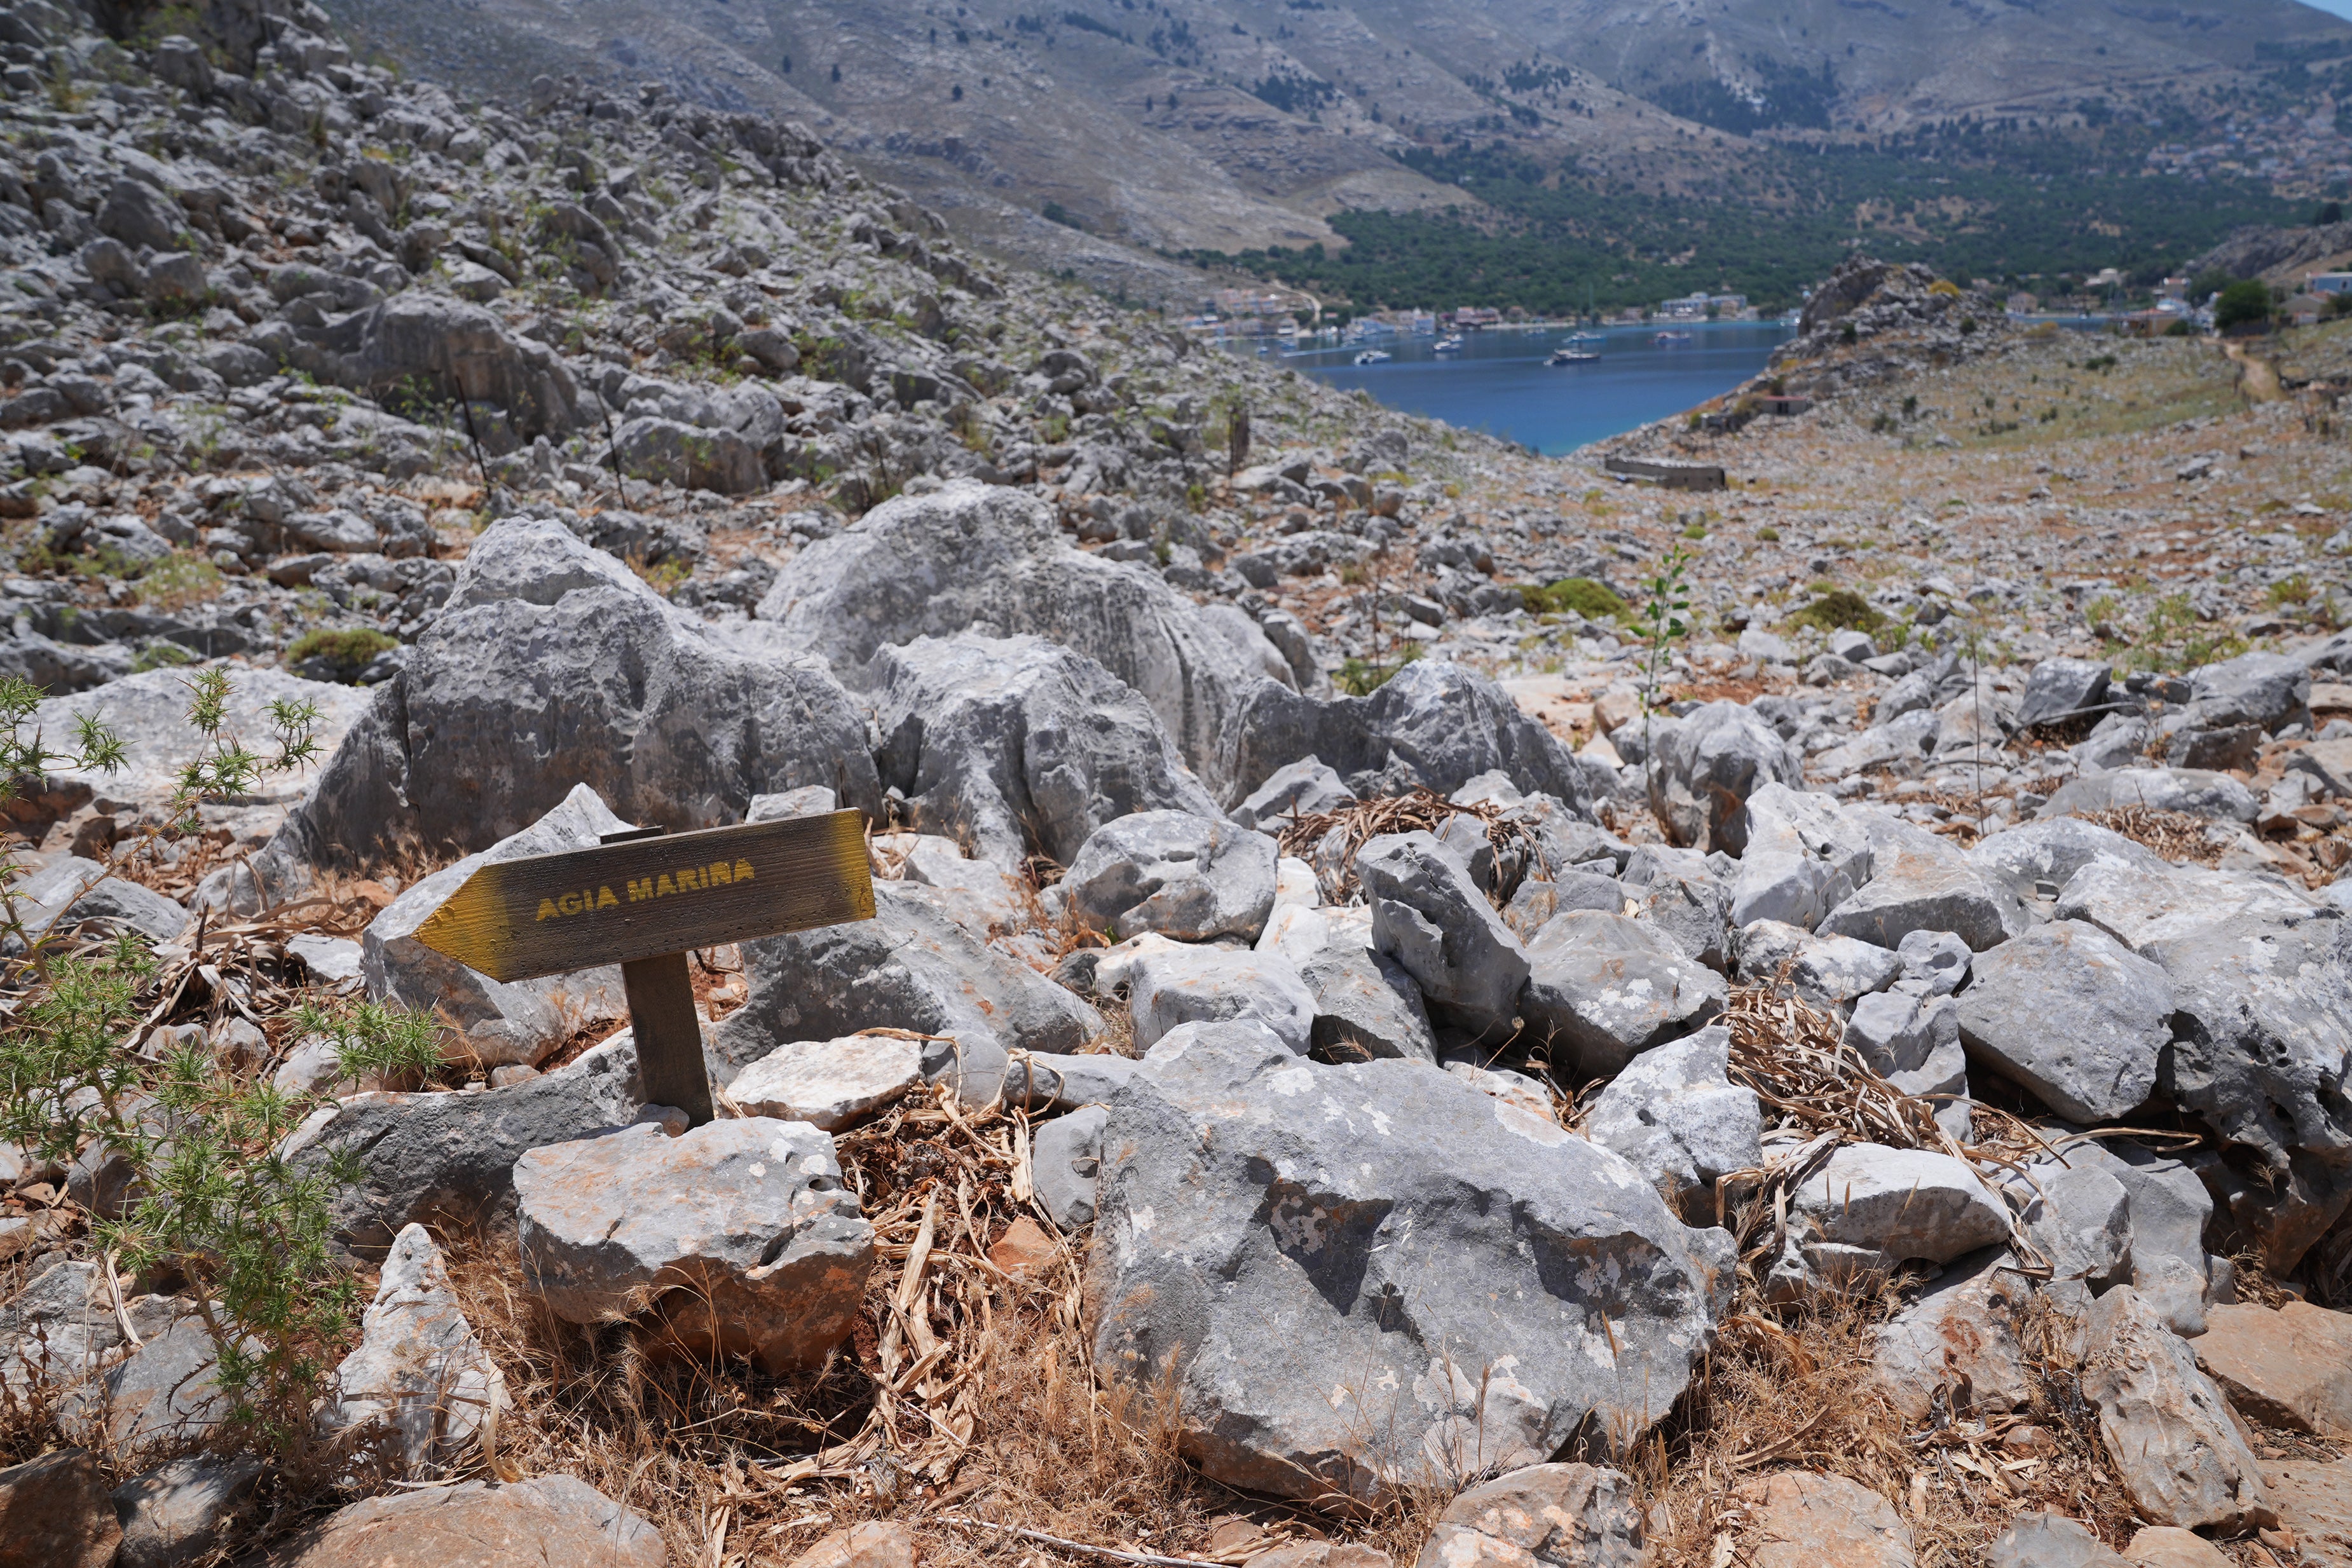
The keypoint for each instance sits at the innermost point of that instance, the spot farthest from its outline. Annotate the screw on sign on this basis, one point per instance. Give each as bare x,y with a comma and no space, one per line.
644,900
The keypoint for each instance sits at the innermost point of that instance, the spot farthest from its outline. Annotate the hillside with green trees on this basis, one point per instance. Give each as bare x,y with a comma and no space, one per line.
1972,204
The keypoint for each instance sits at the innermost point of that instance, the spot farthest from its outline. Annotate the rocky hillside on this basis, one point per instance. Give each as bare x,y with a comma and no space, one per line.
1806,1017
1223,126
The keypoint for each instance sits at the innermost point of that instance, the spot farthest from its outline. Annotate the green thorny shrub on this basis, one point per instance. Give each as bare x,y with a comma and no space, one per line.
209,1196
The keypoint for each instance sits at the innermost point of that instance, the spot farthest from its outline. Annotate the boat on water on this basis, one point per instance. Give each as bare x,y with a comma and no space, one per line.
1669,339
1452,345
1374,357
1586,338
1572,357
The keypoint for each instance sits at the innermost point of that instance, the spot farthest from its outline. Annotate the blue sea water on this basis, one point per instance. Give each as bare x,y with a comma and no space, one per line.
1499,383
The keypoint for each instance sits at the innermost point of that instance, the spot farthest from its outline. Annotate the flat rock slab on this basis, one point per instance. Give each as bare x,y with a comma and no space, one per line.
829,1083
1676,1114
1565,1514
2290,1368
1805,1521
2314,1503
552,1520
877,1543
2074,1016
1365,1006
740,1234
1903,1203
1922,883
2166,1429
1458,1284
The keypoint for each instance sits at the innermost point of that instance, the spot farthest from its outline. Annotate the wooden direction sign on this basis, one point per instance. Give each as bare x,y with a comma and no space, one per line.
644,900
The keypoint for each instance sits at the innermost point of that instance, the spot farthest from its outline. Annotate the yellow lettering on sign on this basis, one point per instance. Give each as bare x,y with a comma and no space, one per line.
569,904
547,910
640,889
664,887
605,899
742,870
721,874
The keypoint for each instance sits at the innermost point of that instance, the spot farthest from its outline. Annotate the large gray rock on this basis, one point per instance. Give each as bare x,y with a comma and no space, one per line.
1679,893
2039,859
148,711
912,967
1911,1040
830,1084
183,1512
449,1157
1901,1205
419,1384
2191,791
1803,857
498,1022
1676,1114
1919,881
1431,724
1066,1161
740,1237
1959,1338
1193,877
995,560
2264,689
2144,908
1365,1006
2166,1429
71,890
2072,1015
2050,1541
1560,1516
1431,918
1179,984
2060,689
552,666
2263,1054
55,1513
1603,988
1016,746
549,1519
690,456
1302,789
1458,1284
450,351
1705,766
166,1394
2080,1217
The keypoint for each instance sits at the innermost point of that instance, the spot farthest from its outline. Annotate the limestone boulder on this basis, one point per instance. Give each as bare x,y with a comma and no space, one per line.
1431,918
1604,989
830,1084
1193,877
420,1384
498,1023
1675,1113
2076,1018
1566,1515
2166,1429
1460,1284
1017,746
547,1518
1706,766
739,1238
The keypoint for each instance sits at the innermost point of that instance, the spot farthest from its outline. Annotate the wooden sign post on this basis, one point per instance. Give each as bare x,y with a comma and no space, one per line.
644,900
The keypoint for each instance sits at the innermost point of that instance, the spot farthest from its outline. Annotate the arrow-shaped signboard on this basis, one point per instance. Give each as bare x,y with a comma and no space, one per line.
644,900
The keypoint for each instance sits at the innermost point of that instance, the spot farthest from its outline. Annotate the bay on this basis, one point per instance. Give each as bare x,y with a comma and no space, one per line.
1499,383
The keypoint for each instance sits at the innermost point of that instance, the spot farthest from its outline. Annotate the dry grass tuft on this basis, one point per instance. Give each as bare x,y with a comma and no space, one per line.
1420,811
2175,835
